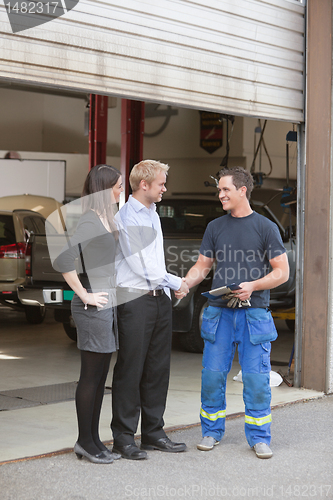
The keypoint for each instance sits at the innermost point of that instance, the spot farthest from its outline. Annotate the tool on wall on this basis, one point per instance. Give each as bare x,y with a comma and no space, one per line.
231,119
259,175
289,194
153,110
212,184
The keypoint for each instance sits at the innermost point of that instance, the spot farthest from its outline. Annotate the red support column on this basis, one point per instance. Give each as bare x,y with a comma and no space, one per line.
132,128
98,126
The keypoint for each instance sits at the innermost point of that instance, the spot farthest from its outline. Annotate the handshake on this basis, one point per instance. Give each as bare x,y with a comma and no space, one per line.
183,290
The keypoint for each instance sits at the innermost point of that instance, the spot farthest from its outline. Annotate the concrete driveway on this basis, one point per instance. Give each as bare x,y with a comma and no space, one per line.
39,368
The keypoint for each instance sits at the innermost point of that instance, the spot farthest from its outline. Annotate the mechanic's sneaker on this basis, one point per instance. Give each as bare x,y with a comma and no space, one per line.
262,450
207,443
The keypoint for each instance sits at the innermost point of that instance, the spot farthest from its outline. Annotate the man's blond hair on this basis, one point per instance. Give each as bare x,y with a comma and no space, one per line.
146,170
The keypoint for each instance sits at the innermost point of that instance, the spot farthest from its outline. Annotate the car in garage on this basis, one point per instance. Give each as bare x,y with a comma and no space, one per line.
184,219
20,217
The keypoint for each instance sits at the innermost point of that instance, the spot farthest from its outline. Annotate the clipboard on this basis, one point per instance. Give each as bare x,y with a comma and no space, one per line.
217,293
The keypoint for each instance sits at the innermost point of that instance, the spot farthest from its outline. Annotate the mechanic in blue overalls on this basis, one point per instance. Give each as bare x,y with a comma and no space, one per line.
248,251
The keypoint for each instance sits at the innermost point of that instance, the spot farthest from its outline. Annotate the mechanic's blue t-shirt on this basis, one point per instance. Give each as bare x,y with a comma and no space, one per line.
242,248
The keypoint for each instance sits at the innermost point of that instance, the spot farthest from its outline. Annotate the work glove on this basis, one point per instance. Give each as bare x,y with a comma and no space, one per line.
234,301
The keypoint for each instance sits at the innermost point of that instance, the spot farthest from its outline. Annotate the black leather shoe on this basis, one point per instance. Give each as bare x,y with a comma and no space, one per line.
130,451
164,444
108,453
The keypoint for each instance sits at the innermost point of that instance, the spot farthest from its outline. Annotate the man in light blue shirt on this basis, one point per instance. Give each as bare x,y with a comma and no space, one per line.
141,242
141,375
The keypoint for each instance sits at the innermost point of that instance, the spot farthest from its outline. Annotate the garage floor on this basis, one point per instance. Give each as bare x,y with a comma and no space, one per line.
39,368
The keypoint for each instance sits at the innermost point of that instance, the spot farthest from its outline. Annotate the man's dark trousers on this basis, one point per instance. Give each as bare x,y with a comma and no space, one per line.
141,374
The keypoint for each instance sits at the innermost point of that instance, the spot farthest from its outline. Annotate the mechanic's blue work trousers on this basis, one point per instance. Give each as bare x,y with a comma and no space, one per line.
218,355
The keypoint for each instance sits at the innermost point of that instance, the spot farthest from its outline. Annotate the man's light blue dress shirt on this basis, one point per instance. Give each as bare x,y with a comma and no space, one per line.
142,263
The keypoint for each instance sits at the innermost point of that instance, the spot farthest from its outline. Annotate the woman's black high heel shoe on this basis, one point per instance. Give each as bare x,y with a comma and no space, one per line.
100,458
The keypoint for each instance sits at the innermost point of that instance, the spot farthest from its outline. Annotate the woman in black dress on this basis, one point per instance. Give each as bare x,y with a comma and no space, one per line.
93,246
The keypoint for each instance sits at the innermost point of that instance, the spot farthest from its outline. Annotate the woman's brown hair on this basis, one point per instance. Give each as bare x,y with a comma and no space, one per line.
96,193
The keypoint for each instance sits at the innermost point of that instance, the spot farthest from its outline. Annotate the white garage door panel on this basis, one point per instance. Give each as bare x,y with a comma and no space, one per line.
214,16
196,37
197,27
241,56
125,45
163,95
271,105
118,68
213,65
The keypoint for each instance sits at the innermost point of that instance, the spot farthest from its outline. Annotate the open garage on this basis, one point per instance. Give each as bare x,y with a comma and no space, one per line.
259,103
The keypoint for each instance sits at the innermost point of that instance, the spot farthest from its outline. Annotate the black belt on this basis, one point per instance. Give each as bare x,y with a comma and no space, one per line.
153,293
156,293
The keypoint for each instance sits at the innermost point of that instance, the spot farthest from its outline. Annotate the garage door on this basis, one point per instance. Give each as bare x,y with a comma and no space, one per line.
239,56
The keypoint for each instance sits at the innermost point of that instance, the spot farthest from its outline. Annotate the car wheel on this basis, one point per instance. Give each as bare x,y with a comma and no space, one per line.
290,324
191,341
35,314
70,331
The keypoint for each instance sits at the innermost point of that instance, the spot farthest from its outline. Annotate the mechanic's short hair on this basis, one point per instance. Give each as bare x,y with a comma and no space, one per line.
240,178
146,170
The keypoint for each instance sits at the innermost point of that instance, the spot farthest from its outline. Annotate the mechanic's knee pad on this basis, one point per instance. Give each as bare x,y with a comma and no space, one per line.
212,387
256,391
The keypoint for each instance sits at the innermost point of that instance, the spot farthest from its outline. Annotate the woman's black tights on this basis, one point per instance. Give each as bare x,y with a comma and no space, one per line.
89,397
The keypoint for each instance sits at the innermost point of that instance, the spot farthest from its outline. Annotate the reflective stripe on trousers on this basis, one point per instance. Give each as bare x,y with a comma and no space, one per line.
258,421
212,416
255,364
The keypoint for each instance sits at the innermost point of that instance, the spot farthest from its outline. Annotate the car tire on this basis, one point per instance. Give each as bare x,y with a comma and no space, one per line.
290,324
70,331
35,314
191,341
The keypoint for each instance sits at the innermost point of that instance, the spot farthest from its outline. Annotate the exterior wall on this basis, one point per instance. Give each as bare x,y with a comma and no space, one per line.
316,333
242,57
329,362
